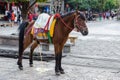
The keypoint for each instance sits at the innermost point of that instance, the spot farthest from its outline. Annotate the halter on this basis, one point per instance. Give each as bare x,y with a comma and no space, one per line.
76,23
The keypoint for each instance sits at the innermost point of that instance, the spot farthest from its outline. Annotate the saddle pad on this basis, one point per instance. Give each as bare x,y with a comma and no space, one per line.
41,20
40,35
37,29
52,28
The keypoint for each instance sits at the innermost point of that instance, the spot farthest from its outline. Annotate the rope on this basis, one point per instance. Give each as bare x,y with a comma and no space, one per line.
57,15
65,24
41,59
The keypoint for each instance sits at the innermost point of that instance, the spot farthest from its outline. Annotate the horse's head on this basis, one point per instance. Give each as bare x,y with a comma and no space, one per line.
80,23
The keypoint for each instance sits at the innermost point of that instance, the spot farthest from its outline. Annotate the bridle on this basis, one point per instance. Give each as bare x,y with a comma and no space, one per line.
76,23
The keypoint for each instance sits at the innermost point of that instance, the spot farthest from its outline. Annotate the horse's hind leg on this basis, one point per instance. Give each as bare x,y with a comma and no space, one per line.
27,42
33,46
19,62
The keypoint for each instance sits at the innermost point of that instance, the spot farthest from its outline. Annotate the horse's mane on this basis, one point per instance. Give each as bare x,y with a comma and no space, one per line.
82,16
69,13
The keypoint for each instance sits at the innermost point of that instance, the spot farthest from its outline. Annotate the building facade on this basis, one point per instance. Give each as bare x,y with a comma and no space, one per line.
53,6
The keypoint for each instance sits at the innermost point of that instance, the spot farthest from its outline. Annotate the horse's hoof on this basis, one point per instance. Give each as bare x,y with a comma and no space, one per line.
21,68
31,65
62,72
57,73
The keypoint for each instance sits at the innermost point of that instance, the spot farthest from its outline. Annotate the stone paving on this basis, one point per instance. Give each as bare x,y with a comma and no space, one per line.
45,71
94,57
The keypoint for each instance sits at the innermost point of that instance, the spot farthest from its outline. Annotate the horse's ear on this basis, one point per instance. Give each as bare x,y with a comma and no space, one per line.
77,11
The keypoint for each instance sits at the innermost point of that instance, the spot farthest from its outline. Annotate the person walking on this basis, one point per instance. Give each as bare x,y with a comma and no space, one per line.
103,15
108,15
9,16
12,17
18,17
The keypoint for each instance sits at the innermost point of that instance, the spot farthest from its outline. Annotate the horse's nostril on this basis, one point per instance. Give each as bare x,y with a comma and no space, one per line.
85,32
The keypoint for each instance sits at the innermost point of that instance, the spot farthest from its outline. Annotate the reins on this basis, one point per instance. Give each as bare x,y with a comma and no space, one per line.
65,23
58,16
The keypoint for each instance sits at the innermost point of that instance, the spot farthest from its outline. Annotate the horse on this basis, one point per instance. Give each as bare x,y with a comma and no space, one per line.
63,26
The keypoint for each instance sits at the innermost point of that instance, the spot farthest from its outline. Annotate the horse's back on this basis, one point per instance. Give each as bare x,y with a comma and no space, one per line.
42,20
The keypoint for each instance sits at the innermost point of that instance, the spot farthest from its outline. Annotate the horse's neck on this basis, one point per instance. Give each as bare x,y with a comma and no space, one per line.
69,21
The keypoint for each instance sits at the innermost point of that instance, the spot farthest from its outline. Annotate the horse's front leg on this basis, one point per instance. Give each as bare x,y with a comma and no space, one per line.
60,67
57,63
58,58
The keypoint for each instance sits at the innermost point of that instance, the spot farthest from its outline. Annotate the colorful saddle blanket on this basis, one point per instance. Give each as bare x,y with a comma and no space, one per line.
42,24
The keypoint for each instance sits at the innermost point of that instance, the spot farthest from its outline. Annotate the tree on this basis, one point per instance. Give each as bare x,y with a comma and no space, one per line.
25,6
99,5
110,4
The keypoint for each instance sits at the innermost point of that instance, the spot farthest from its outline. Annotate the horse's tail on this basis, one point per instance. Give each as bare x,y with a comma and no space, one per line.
21,35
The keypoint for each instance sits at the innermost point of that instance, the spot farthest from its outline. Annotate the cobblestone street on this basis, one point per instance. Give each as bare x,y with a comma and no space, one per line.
94,57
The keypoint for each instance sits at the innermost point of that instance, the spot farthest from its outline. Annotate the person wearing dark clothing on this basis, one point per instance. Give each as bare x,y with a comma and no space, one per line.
18,17
9,16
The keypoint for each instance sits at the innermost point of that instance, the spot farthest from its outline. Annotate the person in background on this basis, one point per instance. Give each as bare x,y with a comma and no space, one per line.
35,16
18,18
9,16
12,16
104,15
15,20
108,15
112,15
30,16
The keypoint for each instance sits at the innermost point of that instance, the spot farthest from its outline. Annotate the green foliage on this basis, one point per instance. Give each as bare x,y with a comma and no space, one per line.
100,5
110,4
41,0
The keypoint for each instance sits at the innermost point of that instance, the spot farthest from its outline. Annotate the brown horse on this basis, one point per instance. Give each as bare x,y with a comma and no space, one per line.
64,25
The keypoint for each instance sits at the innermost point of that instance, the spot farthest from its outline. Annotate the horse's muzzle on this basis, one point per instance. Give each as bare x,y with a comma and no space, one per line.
84,32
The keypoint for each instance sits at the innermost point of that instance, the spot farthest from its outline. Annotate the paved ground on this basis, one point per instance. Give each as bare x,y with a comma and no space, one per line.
94,57
45,71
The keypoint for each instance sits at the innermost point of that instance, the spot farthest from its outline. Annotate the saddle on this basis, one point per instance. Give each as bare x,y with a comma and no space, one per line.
43,27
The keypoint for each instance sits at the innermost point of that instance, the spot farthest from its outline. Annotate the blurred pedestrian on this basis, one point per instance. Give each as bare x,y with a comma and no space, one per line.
12,17
112,15
100,16
9,16
18,17
107,14
30,16
103,15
